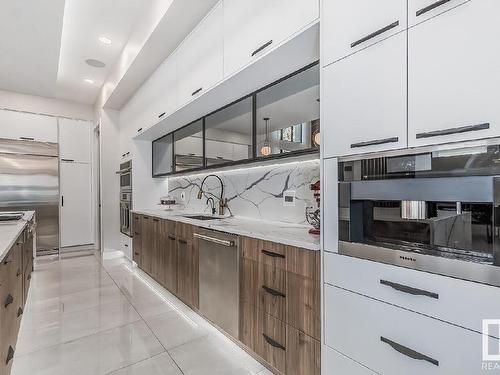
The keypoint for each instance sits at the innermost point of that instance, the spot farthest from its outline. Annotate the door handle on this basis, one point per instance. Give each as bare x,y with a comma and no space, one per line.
409,289
68,160
196,91
9,300
161,115
139,130
409,352
183,242
375,34
26,138
272,254
10,355
214,240
432,6
273,343
20,312
262,47
171,238
62,200
273,292
375,142
461,129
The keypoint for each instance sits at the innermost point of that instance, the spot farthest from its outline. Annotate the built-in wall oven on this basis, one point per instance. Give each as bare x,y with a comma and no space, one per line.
125,173
435,211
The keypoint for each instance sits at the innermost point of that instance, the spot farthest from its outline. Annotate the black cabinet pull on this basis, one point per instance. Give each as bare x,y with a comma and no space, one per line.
375,142
197,91
139,130
409,289
273,292
432,6
136,253
7,261
137,233
271,254
68,160
183,242
27,138
62,200
10,355
20,312
156,220
19,273
409,352
171,238
262,47
375,34
462,129
161,115
272,342
8,301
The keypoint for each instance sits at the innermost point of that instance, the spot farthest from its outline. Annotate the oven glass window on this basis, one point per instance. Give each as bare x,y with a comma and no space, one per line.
125,180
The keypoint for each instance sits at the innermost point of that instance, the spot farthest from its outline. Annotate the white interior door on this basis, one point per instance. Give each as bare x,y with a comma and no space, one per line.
76,204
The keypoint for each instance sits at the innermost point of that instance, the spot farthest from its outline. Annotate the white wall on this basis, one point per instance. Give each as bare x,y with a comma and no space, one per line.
45,106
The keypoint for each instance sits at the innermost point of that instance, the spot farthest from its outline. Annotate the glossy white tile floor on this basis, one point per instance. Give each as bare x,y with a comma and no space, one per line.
84,317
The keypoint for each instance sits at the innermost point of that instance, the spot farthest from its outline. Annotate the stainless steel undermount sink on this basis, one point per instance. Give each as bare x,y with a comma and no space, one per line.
202,217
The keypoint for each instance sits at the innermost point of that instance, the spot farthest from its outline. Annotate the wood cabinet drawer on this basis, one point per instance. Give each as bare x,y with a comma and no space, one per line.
456,301
391,340
264,287
303,353
303,262
269,253
303,304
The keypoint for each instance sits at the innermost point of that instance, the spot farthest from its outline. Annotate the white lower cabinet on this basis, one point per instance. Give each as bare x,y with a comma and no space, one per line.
453,77
76,204
364,100
394,341
460,302
335,363
28,126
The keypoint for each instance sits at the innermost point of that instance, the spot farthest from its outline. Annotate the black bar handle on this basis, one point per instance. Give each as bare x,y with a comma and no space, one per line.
171,238
273,292
161,115
197,91
8,301
375,34
156,220
68,160
409,352
272,342
183,241
375,142
19,273
409,289
139,130
27,138
62,200
262,47
10,355
7,261
272,254
432,6
459,130
137,233
20,312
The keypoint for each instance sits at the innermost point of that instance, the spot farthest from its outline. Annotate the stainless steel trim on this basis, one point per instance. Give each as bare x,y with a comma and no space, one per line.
214,240
477,272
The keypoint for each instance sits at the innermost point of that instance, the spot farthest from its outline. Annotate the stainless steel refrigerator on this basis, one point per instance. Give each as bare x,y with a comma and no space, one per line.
29,180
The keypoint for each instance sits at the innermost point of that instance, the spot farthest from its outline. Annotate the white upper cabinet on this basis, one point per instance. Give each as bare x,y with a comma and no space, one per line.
27,126
422,10
454,78
251,28
200,57
75,140
364,100
351,25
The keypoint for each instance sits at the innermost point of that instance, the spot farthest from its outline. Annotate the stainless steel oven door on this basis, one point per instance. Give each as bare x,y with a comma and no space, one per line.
126,180
125,215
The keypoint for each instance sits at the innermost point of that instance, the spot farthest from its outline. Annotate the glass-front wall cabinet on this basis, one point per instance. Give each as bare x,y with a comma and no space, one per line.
279,120
228,134
288,115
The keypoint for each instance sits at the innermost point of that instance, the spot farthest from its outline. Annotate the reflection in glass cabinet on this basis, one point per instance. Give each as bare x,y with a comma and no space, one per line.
188,146
288,114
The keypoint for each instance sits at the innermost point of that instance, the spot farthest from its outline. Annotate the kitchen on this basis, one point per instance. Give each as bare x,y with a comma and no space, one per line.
295,187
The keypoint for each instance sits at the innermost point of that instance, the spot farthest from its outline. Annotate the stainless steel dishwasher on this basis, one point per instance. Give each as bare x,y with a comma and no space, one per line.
219,278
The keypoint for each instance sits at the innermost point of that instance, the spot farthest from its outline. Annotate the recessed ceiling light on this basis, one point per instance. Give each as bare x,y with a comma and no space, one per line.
95,63
104,40
88,80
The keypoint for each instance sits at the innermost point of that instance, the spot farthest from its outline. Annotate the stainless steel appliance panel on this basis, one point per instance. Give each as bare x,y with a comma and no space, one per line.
29,180
219,279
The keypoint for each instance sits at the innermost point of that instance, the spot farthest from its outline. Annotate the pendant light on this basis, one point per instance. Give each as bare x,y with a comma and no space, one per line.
266,150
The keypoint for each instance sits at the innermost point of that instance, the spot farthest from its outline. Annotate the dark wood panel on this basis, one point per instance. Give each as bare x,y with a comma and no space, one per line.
157,271
269,253
303,262
188,264
169,260
137,239
303,355
303,304
264,287
147,244
271,341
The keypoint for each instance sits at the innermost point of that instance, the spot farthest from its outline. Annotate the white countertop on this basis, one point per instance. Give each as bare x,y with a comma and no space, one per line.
10,231
287,234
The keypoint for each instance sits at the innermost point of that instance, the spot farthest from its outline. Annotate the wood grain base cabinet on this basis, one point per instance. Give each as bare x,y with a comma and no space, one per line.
188,263
15,276
137,239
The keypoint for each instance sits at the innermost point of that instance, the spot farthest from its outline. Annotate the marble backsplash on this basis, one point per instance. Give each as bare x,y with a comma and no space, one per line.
255,191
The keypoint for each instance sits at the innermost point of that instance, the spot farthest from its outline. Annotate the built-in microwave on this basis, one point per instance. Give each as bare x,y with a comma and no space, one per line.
125,173
435,211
